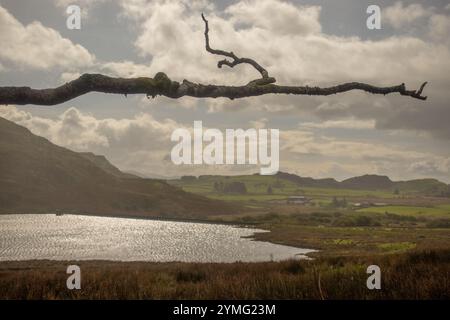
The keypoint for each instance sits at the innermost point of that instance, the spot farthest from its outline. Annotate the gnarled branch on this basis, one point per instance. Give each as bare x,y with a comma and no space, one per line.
162,85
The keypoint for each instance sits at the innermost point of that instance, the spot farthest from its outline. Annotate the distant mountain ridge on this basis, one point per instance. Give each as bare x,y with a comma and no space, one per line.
372,182
37,176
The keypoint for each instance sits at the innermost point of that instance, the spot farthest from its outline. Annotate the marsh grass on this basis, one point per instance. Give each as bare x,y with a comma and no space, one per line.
411,275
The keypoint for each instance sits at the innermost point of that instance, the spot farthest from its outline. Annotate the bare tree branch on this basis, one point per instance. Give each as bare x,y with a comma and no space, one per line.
162,85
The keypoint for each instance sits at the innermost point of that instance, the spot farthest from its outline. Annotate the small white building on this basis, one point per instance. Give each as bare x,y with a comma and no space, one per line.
298,200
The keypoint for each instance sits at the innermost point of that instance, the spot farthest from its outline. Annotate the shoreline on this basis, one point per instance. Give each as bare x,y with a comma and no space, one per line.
139,217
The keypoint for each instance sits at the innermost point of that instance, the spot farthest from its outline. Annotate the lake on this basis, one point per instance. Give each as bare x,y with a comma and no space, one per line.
77,237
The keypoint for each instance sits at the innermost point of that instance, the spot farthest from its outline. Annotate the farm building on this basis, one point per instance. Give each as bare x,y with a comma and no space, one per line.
298,200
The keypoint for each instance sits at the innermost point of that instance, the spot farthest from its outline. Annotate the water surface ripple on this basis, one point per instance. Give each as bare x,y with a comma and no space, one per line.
76,237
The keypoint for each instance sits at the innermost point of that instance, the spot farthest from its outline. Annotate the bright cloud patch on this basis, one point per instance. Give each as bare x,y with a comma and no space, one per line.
399,15
37,46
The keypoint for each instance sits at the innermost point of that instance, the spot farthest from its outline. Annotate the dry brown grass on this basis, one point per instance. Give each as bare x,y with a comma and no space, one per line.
414,275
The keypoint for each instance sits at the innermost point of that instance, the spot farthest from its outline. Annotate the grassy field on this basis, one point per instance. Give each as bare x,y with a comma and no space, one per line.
257,189
342,232
257,192
415,211
407,222
355,241
404,276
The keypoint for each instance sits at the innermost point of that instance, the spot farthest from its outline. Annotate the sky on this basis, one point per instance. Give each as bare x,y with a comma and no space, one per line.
316,43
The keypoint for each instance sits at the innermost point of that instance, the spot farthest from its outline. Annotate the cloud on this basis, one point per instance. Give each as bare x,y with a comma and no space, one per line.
439,28
399,15
429,167
312,154
36,46
85,5
126,69
416,17
351,123
172,35
258,124
306,142
69,76
274,16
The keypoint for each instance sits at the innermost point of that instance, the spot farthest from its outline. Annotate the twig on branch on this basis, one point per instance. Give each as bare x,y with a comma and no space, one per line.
265,79
162,85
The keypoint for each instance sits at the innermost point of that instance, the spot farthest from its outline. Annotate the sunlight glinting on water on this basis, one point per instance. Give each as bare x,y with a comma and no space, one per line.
76,237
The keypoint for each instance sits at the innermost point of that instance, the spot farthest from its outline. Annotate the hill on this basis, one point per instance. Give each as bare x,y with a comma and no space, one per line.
37,176
368,182
291,184
430,187
103,163
308,182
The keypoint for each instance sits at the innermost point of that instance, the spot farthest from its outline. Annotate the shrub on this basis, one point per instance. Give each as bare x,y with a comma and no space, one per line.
439,223
294,267
190,276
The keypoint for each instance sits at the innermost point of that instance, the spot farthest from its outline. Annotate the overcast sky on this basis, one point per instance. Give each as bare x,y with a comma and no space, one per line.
316,42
